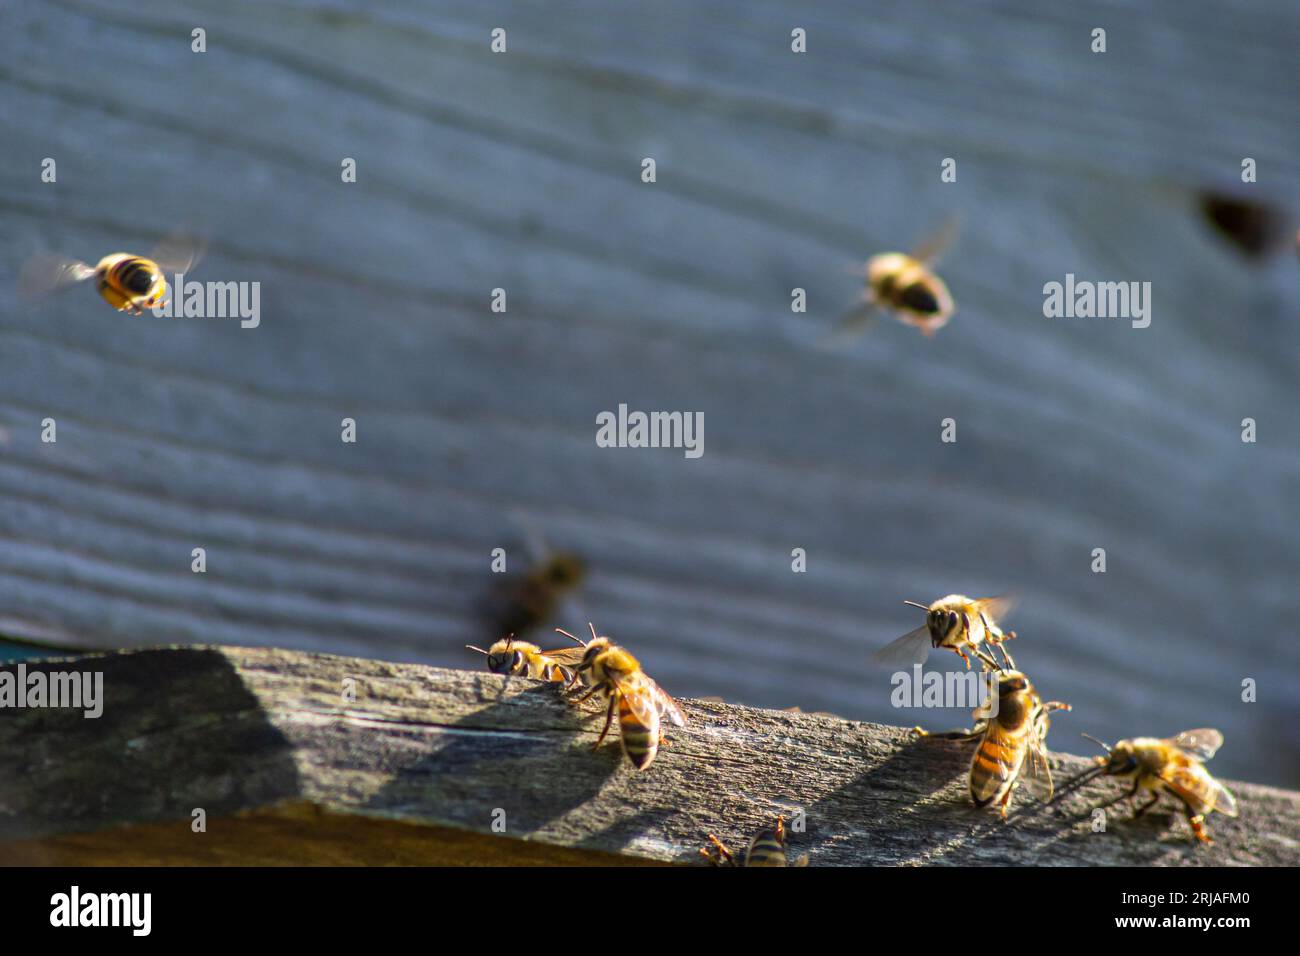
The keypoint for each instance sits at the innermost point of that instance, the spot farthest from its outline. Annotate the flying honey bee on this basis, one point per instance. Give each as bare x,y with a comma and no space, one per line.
1174,764
522,659
531,598
129,283
1013,743
905,286
958,623
612,671
768,848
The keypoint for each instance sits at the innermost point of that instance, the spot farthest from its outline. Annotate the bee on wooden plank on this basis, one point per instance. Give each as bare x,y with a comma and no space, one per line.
906,286
128,282
522,659
960,624
641,704
1012,743
1172,765
768,848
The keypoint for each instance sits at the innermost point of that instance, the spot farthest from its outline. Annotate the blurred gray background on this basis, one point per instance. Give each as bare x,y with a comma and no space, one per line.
522,170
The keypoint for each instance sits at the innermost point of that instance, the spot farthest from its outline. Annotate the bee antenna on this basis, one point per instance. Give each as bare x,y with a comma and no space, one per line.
593,630
572,637
923,607
473,648
1101,743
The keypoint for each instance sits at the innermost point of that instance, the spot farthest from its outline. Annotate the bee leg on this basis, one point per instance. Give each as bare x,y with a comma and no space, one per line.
1197,822
609,717
1006,802
1155,798
586,696
720,856
962,654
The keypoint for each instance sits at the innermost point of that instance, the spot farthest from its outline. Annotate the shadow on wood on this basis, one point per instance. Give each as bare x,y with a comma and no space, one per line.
438,766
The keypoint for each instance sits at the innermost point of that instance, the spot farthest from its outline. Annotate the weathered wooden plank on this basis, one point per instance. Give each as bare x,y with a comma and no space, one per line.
424,762
520,171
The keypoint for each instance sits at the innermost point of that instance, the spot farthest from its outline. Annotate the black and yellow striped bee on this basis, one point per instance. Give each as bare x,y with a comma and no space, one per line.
906,286
768,848
522,659
1013,743
612,671
1172,765
129,283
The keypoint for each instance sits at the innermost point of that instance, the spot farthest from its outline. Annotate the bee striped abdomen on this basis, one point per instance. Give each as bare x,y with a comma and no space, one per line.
766,850
640,741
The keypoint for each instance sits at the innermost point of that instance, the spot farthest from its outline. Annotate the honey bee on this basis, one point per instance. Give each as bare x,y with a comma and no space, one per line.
612,671
1013,743
906,286
522,659
768,848
1174,765
129,283
532,598
958,623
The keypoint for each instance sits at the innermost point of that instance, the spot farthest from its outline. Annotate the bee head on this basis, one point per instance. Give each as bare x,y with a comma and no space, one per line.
595,647
1121,760
506,656
942,622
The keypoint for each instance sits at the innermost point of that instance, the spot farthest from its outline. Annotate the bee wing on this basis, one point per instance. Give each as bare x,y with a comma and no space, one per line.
1191,784
45,273
638,692
180,251
1202,744
912,648
1224,801
1038,774
567,656
933,246
992,750
998,607
850,326
666,706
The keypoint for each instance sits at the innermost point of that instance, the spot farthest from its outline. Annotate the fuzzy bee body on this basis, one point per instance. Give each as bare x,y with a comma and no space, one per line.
1012,743
962,625
906,286
767,848
1172,765
533,598
522,659
127,282
640,703
1015,736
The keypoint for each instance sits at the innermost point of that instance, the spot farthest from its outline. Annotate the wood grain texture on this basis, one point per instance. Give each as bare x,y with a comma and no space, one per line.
419,766
521,171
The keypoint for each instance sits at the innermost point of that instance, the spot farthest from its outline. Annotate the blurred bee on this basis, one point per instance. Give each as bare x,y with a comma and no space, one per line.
1013,743
1174,765
532,598
129,283
768,848
958,623
905,286
612,671
522,659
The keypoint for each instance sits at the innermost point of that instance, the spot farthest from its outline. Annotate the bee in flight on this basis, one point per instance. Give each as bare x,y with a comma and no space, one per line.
768,848
129,283
1013,743
906,286
1175,765
538,592
612,671
958,623
522,659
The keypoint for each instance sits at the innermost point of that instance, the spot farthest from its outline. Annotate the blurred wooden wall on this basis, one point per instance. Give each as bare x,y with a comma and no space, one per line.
522,170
